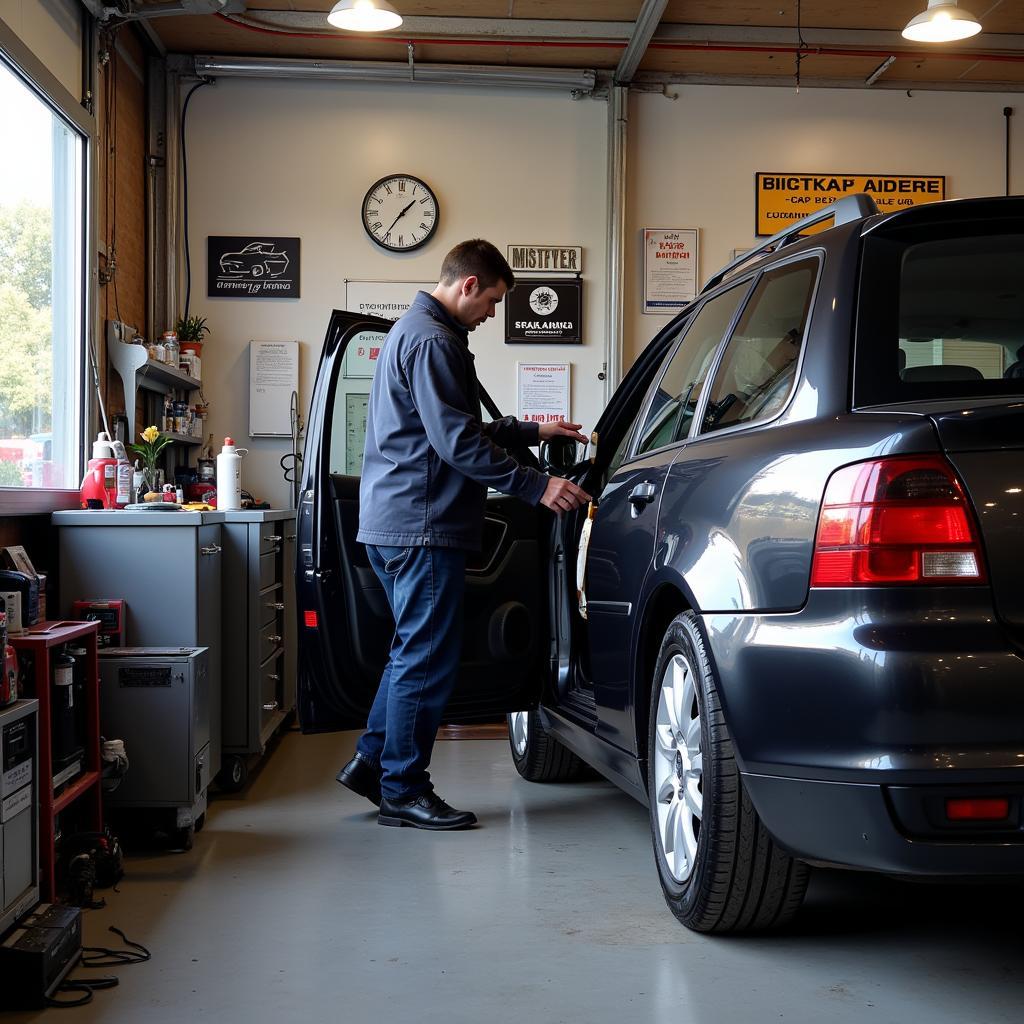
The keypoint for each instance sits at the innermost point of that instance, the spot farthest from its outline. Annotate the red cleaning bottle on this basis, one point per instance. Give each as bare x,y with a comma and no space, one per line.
100,481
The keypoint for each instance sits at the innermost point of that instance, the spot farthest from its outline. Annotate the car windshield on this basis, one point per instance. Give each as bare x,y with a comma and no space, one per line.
956,329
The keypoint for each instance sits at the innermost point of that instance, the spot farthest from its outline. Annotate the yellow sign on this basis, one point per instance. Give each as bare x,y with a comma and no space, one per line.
785,198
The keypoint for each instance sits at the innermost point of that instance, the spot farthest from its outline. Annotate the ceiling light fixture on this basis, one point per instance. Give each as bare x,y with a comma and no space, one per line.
364,16
943,22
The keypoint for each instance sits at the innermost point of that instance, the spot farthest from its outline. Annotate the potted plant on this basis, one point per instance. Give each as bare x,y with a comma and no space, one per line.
190,331
153,443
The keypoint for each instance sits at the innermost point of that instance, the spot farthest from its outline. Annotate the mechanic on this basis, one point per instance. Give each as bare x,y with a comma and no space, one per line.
427,464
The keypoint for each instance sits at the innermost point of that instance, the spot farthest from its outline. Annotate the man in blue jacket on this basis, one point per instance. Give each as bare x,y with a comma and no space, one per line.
427,465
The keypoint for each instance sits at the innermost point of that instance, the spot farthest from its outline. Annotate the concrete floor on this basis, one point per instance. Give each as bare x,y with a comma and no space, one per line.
294,904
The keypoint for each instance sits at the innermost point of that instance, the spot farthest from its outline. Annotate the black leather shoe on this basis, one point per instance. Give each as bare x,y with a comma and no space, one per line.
427,810
362,777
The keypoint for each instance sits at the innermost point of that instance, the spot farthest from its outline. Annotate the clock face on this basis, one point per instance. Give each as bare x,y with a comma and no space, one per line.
400,212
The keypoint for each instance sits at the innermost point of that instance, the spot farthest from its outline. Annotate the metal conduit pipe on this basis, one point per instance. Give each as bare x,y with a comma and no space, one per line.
577,82
618,123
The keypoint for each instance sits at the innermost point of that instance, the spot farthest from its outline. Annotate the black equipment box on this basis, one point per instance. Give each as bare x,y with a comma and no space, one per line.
38,954
28,587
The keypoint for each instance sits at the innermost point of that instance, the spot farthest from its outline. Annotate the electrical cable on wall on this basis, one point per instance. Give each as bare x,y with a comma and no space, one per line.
184,192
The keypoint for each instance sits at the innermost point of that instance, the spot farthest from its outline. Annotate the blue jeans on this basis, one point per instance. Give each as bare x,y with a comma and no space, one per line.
424,586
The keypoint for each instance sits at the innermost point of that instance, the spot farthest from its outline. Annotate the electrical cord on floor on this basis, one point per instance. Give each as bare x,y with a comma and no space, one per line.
85,987
100,956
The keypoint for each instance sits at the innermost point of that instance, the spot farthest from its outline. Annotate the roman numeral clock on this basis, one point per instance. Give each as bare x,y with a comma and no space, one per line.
400,212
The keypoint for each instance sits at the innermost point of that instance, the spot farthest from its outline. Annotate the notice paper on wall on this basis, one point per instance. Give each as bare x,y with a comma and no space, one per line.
273,377
670,269
543,392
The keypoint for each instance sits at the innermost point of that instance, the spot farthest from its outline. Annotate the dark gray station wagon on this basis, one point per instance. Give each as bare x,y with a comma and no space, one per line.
792,623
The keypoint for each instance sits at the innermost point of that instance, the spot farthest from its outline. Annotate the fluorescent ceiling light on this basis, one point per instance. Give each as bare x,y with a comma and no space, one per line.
943,22
364,16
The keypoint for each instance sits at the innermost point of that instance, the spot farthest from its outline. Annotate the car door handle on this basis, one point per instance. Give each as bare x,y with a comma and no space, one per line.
641,496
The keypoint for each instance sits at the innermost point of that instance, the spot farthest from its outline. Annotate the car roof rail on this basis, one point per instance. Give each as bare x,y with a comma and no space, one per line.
844,211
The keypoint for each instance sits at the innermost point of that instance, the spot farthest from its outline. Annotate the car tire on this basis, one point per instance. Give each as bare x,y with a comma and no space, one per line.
537,755
720,869
257,270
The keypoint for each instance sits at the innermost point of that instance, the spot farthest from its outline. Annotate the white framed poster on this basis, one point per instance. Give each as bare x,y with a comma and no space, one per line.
542,391
273,378
670,268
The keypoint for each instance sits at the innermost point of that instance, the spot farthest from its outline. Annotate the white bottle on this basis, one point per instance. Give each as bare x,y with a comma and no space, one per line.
229,476
123,492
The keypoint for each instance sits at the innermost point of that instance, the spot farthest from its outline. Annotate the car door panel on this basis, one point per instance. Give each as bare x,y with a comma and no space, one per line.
346,621
622,541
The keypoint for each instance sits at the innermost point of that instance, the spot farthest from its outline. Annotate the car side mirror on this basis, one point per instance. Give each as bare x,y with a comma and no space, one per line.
559,453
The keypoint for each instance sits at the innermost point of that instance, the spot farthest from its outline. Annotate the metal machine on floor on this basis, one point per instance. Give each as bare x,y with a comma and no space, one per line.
157,699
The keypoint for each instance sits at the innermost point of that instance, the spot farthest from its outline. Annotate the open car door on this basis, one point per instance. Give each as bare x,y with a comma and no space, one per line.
345,623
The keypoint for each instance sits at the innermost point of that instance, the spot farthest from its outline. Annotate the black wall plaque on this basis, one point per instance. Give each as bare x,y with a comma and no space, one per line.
252,267
544,311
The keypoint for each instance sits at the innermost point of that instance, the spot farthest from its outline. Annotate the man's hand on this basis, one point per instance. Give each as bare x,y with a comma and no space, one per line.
562,428
563,495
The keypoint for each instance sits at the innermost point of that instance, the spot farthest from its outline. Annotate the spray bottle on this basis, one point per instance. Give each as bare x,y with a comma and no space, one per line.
229,476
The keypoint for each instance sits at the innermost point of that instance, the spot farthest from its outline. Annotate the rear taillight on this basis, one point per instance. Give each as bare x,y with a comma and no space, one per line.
311,620
897,520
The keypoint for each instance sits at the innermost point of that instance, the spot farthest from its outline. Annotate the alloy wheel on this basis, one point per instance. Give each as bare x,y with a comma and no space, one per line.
519,722
678,767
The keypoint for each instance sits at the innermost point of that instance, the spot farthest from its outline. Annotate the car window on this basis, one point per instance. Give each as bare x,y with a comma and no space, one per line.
670,412
758,367
942,314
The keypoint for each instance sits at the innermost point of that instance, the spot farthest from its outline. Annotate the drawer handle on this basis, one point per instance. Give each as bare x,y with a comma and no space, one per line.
278,606
275,638
272,706
275,677
210,549
274,538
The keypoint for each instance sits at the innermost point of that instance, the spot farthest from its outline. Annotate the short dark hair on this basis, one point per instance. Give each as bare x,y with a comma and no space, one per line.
477,258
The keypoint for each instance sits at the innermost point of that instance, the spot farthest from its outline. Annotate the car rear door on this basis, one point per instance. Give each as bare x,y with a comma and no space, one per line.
345,623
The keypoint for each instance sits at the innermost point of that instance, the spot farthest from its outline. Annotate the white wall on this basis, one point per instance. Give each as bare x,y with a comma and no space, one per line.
692,160
52,30
295,158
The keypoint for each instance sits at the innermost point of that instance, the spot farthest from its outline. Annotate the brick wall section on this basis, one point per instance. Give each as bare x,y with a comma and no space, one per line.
122,146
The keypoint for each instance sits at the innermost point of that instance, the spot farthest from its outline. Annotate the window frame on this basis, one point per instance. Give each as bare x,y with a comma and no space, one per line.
38,78
698,433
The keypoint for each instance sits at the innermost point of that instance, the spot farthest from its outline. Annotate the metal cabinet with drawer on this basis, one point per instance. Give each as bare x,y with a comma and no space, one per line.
167,566
258,691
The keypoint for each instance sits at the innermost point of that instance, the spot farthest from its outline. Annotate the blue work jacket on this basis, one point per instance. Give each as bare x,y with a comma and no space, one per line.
429,459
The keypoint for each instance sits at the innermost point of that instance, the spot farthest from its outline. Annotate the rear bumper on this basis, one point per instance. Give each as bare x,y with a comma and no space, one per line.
860,825
856,716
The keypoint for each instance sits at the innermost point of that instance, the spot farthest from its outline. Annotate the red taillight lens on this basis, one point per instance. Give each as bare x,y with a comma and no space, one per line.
898,520
982,809
310,620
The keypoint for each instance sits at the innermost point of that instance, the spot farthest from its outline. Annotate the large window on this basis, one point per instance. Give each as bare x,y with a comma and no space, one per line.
41,290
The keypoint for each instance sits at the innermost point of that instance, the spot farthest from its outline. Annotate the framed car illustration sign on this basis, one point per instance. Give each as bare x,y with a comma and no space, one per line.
252,266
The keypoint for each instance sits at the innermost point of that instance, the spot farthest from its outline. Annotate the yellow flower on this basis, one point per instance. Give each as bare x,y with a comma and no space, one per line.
150,434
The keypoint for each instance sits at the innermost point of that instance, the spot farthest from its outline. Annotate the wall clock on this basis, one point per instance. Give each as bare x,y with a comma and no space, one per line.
400,212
